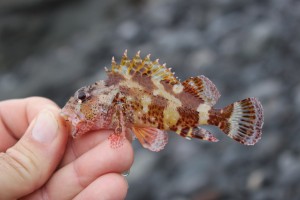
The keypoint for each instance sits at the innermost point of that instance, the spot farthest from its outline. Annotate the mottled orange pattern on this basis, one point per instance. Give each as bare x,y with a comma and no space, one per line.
144,97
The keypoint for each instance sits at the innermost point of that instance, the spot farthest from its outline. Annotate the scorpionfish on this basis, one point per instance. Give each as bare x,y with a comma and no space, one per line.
143,97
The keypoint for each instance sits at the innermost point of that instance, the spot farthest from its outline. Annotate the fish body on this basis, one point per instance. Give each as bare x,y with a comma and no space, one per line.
146,98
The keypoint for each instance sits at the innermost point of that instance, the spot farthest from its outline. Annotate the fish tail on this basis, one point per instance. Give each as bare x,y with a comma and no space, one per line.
241,121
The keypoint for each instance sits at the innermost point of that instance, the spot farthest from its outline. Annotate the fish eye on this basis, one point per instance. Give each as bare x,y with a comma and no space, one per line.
81,95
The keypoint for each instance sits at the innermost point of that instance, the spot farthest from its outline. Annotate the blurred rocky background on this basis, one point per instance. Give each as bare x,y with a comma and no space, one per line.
51,48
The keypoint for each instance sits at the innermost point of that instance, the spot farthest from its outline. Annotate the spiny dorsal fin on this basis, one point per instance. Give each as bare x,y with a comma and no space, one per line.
142,67
202,88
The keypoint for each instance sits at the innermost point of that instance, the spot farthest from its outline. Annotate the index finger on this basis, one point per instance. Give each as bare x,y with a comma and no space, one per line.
16,115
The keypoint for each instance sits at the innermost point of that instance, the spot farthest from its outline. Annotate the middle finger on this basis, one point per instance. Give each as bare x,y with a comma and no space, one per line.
78,146
70,180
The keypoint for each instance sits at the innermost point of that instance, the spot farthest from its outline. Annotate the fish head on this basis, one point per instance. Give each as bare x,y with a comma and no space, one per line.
88,107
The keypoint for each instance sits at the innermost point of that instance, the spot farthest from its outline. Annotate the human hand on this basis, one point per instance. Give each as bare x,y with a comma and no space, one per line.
38,159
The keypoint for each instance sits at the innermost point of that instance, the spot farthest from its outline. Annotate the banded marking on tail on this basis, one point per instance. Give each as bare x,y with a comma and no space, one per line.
241,121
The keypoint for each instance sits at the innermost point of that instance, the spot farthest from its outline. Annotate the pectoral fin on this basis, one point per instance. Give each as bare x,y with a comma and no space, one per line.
151,138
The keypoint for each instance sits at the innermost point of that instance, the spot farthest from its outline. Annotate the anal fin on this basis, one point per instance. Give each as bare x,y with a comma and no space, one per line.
197,132
151,138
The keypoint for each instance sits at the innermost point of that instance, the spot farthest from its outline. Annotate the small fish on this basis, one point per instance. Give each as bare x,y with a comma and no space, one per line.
144,97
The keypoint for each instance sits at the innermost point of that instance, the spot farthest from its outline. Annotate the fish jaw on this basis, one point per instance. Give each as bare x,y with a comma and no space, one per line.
73,120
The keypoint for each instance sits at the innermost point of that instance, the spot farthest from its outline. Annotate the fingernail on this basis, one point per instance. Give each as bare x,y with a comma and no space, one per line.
45,127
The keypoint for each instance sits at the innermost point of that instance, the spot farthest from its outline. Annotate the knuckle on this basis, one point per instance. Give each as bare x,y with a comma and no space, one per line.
23,162
128,157
80,174
120,184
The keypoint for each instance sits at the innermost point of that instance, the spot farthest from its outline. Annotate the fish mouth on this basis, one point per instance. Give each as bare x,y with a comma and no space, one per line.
72,119
65,116
69,115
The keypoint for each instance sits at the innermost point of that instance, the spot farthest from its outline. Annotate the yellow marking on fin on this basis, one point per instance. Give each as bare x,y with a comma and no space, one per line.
137,55
179,129
189,134
145,67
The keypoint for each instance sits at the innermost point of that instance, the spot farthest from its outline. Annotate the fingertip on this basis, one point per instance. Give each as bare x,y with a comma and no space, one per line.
109,186
130,153
122,156
48,121
117,184
93,164
37,153
82,144
22,112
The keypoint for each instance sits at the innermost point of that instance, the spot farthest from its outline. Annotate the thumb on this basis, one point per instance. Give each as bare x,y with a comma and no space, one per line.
29,163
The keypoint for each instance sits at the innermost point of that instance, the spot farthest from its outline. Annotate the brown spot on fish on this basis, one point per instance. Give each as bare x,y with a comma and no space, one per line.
188,100
188,117
114,79
218,117
144,81
156,111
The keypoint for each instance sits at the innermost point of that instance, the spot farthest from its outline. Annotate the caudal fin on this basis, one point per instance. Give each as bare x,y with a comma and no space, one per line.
242,121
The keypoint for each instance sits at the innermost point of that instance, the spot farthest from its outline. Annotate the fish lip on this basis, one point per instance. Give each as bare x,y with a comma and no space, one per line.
65,116
72,119
69,115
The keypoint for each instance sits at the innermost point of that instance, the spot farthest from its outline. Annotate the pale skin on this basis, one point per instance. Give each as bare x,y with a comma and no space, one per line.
32,168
